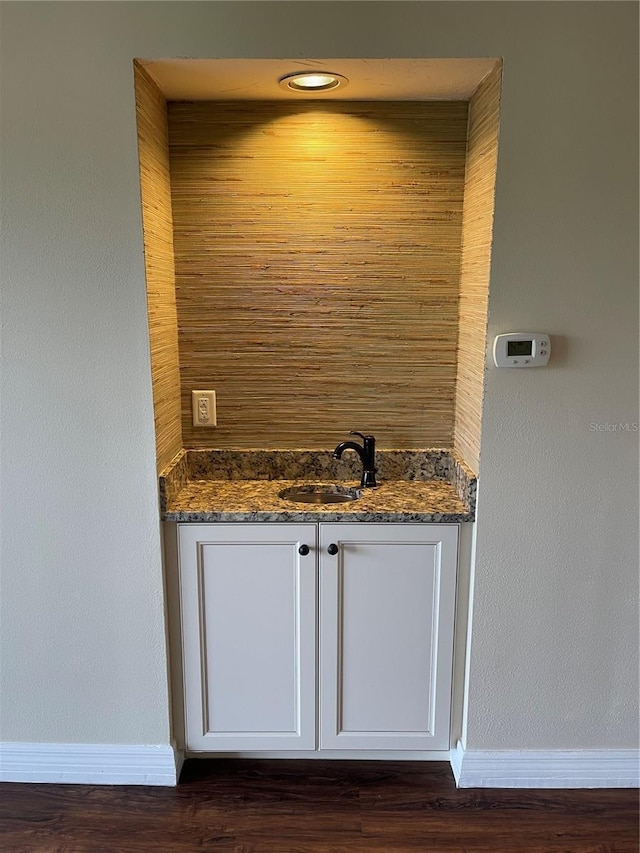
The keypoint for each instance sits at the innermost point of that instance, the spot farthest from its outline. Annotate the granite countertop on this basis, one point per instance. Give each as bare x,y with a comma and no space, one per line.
258,500
232,486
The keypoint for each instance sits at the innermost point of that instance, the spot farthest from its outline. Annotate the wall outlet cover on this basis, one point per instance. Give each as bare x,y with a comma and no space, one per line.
203,408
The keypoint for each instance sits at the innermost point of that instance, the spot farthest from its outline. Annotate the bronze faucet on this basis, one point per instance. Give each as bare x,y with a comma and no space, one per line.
367,453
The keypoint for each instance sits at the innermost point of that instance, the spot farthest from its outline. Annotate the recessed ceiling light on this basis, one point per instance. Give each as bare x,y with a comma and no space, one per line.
312,81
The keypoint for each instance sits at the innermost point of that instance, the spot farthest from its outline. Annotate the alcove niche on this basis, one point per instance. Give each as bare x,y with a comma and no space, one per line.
321,262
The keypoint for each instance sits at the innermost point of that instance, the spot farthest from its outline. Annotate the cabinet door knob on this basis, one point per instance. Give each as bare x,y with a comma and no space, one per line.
332,549
303,550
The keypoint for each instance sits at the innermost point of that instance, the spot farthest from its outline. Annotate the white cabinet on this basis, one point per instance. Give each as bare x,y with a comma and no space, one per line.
347,650
248,613
386,635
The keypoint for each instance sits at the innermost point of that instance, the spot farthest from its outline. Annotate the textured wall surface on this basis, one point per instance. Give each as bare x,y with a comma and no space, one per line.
83,641
554,644
317,255
151,111
554,651
477,230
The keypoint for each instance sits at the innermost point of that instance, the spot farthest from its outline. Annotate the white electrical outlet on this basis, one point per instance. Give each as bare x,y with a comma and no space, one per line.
203,408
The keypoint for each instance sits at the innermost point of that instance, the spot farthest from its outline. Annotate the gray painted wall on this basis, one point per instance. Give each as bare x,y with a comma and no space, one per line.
554,645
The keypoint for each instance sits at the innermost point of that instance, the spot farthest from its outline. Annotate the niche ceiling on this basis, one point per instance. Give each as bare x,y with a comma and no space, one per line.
369,79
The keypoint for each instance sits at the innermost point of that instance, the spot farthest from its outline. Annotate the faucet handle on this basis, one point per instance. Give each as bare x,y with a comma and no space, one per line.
366,438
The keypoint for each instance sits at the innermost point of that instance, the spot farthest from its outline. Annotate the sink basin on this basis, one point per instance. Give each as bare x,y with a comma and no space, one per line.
320,494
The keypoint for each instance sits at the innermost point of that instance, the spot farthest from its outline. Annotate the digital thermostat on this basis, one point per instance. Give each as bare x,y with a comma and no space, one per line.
521,349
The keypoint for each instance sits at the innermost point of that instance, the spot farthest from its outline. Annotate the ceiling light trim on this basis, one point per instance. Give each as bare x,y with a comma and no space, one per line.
311,82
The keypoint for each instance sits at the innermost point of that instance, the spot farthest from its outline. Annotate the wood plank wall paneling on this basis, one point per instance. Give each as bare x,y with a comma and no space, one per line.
317,251
477,232
159,264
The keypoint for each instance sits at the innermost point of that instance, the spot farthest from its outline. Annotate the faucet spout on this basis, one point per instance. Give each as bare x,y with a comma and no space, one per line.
367,452
349,445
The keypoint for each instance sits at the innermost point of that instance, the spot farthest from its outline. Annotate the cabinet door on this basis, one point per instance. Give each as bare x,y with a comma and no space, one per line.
386,629
248,609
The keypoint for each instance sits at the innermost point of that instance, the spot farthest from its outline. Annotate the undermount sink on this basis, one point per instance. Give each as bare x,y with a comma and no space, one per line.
320,494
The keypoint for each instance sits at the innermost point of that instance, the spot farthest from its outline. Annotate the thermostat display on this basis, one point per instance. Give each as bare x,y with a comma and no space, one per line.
521,349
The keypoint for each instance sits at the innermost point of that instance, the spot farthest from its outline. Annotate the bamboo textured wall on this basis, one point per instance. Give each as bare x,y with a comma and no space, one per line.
317,253
158,255
477,230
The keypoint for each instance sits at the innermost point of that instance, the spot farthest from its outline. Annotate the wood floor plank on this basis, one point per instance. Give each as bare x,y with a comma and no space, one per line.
314,807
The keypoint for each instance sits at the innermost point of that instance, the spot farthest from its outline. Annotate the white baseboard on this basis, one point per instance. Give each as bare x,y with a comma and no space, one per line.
588,768
90,764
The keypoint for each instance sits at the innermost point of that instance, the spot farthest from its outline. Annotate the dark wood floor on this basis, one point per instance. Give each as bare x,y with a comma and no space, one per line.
315,807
